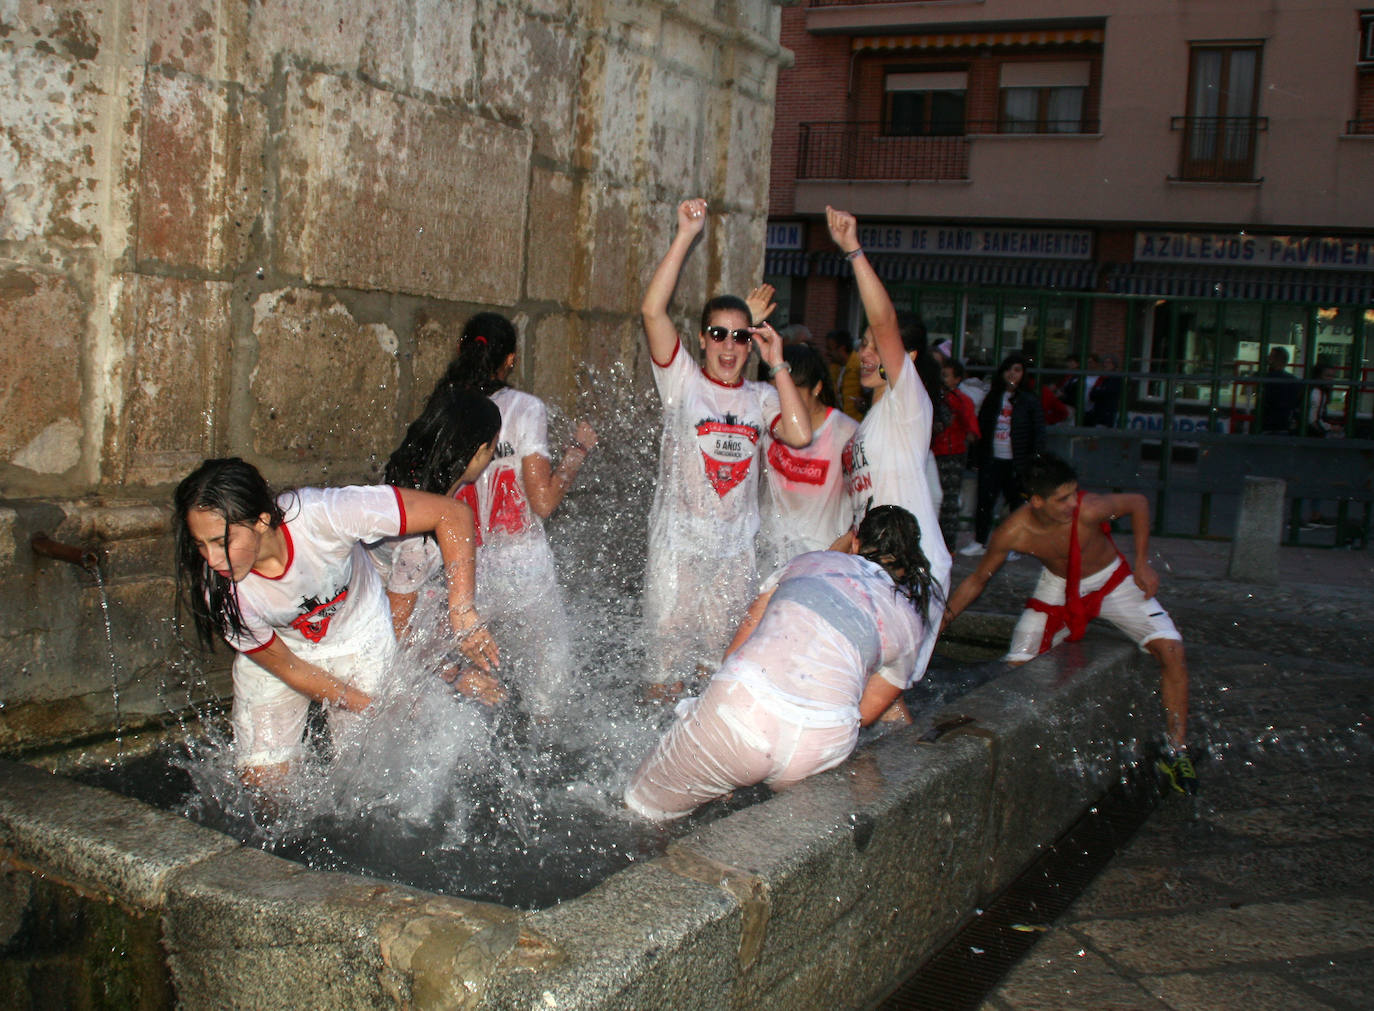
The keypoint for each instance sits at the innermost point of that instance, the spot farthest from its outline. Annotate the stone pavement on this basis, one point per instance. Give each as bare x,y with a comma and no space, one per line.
1259,892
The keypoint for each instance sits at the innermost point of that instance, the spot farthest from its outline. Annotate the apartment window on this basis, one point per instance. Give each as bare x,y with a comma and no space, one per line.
1220,127
1367,37
1044,97
929,104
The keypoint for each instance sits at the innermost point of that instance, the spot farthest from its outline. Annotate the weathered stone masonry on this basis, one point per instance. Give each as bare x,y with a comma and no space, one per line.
255,227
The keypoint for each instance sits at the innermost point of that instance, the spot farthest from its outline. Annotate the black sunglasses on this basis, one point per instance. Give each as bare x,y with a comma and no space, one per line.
719,333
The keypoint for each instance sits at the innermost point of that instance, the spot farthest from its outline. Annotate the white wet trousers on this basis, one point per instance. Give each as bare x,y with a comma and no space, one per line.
736,735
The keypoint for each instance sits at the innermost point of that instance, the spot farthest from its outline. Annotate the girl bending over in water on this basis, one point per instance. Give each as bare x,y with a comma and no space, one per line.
444,451
827,647
284,579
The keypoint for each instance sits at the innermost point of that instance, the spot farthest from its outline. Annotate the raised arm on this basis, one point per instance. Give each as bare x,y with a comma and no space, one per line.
546,487
658,325
882,317
451,522
794,421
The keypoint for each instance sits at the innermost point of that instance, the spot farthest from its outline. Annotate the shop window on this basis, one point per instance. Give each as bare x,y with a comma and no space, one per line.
1043,97
925,104
1221,125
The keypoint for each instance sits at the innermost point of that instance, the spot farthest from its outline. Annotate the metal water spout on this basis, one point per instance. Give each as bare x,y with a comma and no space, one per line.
86,558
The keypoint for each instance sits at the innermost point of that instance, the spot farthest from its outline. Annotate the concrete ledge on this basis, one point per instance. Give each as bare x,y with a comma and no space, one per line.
97,840
812,899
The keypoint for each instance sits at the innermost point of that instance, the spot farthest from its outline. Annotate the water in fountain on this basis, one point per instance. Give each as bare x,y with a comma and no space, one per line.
442,792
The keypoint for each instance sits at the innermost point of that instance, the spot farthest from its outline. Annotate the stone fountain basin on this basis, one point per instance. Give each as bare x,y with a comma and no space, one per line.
820,897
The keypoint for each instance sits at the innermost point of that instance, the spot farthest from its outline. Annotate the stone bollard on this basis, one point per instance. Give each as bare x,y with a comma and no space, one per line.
1255,547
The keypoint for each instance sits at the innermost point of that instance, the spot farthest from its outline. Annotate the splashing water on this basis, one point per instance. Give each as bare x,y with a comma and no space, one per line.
439,791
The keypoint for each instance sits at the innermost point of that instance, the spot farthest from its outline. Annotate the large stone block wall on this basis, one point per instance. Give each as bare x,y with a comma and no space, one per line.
257,228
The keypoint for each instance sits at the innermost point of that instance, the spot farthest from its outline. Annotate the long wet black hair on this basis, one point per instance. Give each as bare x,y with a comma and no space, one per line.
238,492
891,537
808,369
441,442
915,338
488,339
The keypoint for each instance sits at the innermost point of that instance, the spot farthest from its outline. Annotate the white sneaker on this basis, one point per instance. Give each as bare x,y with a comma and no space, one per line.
972,550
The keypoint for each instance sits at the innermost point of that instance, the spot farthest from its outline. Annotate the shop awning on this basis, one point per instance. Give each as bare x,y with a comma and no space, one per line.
961,40
995,272
1317,286
786,262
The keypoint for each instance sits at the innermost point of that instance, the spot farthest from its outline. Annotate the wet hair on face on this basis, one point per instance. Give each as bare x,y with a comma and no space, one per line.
237,491
438,446
1045,473
725,303
891,537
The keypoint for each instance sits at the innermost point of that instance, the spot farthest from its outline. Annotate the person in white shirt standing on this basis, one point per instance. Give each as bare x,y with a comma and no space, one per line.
806,507
701,571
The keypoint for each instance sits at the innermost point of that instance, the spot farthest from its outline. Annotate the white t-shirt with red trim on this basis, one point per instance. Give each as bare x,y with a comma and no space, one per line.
807,504
330,589
706,499
514,561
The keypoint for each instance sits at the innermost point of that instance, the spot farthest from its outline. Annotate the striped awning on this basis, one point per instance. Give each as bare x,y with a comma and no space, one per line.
786,262
995,272
962,40
1317,286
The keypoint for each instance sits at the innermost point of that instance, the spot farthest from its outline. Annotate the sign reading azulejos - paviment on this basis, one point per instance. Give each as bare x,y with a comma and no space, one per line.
940,240
1324,252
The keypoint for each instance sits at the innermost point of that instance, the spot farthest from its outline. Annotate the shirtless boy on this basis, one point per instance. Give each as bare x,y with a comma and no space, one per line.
1068,531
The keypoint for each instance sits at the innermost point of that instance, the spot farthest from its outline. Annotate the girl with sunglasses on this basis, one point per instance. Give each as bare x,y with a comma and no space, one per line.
784,706
886,461
701,569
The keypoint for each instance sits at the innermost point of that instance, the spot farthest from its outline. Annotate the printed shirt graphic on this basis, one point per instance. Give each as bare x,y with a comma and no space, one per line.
808,506
499,497
706,498
1001,438
330,587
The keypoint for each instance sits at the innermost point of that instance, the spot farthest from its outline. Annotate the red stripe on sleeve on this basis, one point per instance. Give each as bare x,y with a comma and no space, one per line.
664,365
259,649
400,504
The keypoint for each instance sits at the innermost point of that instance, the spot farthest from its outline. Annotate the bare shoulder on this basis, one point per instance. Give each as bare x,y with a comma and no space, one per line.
1014,533
1097,507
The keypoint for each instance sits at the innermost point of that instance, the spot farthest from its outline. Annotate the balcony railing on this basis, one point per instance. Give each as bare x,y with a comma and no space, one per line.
869,151
864,151
1218,148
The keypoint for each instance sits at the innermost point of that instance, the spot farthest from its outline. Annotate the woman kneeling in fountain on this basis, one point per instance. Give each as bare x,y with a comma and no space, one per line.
826,648
286,582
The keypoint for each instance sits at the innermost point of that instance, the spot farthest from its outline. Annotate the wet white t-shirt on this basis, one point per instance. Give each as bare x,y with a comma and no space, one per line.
807,505
330,589
885,464
832,622
706,498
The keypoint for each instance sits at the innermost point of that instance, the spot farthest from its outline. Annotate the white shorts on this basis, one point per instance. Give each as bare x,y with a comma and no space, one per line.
1142,619
269,718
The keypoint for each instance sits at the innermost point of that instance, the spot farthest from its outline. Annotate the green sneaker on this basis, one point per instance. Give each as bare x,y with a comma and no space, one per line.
1177,772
